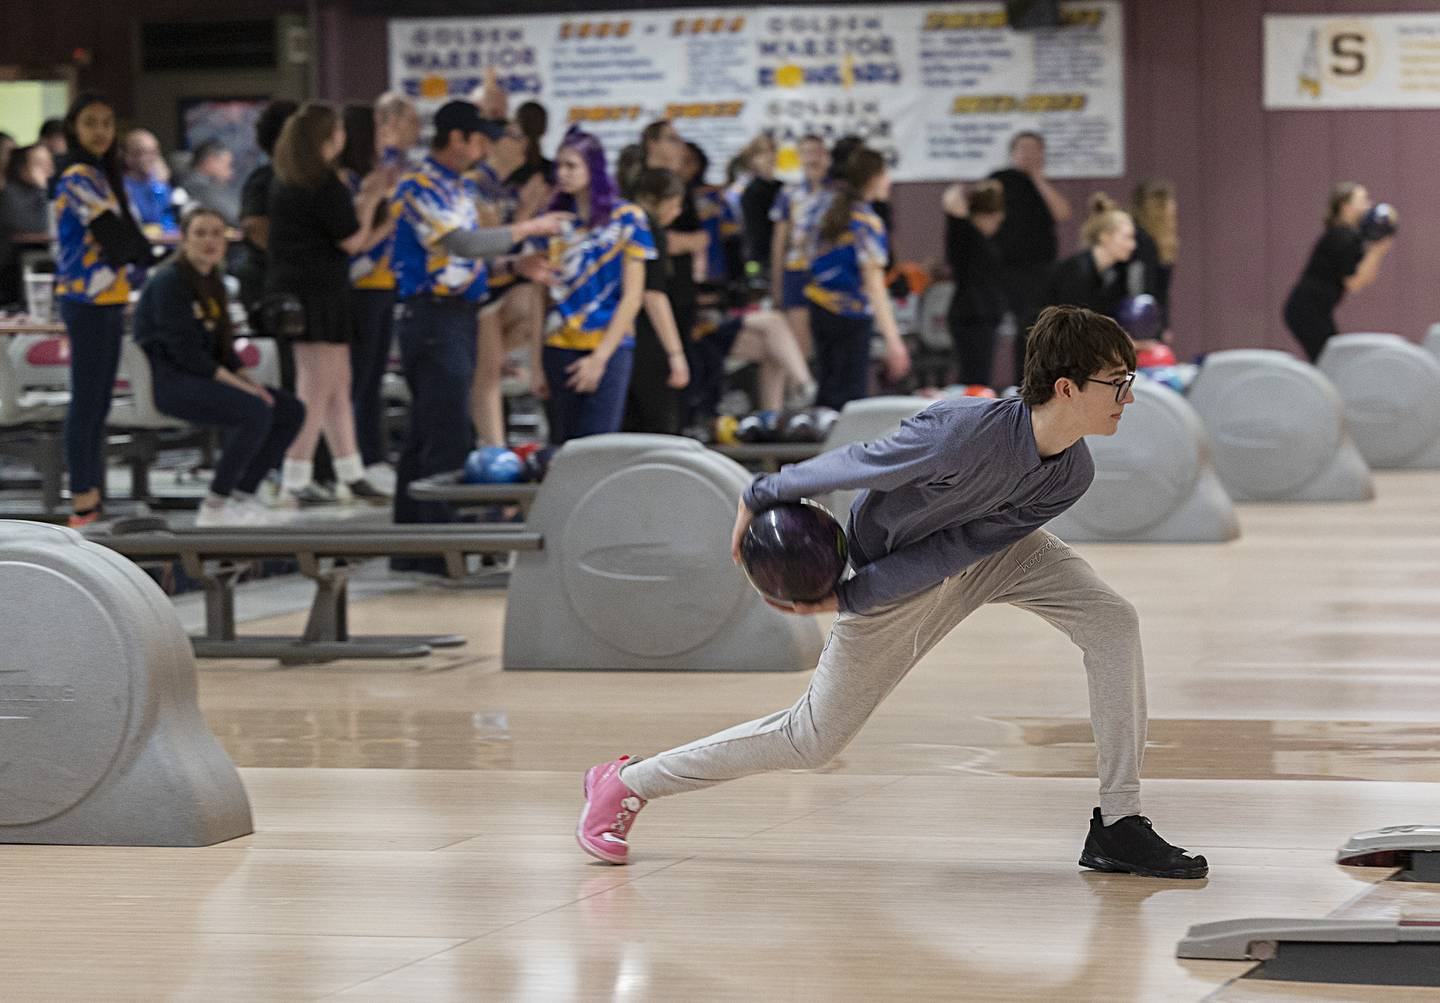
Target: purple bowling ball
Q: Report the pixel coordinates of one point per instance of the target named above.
(1140, 317)
(794, 552)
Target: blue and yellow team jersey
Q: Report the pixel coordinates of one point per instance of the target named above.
(721, 222)
(370, 269)
(835, 266)
(429, 203)
(82, 195)
(591, 269)
(492, 192)
(801, 205)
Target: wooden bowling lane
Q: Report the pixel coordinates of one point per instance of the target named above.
(415, 820)
(437, 885)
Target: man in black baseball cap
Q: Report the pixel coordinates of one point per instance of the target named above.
(441, 276)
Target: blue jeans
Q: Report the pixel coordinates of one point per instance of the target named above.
(374, 314)
(95, 334)
(842, 357)
(437, 351)
(256, 435)
(572, 415)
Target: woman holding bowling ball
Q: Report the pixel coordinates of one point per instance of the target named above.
(1341, 262)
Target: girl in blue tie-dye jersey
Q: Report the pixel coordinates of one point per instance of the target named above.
(847, 294)
(584, 367)
(98, 241)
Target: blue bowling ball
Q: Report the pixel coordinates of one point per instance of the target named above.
(492, 465)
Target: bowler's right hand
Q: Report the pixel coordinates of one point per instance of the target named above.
(742, 522)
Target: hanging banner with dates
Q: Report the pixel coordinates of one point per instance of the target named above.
(939, 88)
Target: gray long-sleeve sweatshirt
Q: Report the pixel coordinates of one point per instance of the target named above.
(960, 480)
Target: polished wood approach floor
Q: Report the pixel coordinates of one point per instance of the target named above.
(414, 819)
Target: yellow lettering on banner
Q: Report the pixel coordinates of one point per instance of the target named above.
(604, 113)
(982, 104)
(598, 29)
(701, 26)
(1053, 102)
(719, 109)
(1089, 17)
(942, 21)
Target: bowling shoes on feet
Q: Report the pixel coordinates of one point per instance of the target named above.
(1132, 846)
(610, 810)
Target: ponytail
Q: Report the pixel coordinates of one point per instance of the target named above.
(852, 179)
(1339, 195)
(1104, 217)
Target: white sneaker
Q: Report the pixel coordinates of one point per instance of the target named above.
(212, 515)
(230, 515)
(382, 476)
(258, 514)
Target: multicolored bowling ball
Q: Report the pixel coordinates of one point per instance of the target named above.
(725, 430)
(825, 418)
(1153, 355)
(799, 426)
(794, 552)
(537, 464)
(1140, 317)
(762, 426)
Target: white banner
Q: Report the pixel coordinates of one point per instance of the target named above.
(939, 88)
(1353, 61)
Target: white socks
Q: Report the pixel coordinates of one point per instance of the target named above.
(295, 474)
(348, 469)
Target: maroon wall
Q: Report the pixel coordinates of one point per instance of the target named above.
(1251, 183)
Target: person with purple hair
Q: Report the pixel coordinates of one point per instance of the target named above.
(583, 368)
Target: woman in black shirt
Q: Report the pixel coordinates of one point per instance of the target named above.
(1157, 241)
(1340, 263)
(315, 226)
(183, 324)
(24, 209)
(979, 303)
(1093, 278)
(661, 370)
(756, 201)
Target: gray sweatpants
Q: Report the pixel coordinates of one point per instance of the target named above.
(867, 656)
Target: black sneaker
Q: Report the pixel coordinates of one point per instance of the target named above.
(1132, 846)
(363, 490)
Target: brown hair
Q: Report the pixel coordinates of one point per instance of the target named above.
(1148, 206)
(1339, 195)
(986, 196)
(1104, 217)
(297, 152)
(1071, 342)
(208, 291)
(651, 133)
(650, 186)
(854, 176)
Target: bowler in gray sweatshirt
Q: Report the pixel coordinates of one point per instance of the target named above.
(949, 518)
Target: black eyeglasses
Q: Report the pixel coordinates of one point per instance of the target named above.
(1122, 385)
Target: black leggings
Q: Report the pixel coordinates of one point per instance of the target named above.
(1310, 322)
(651, 405)
(974, 342)
(842, 356)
